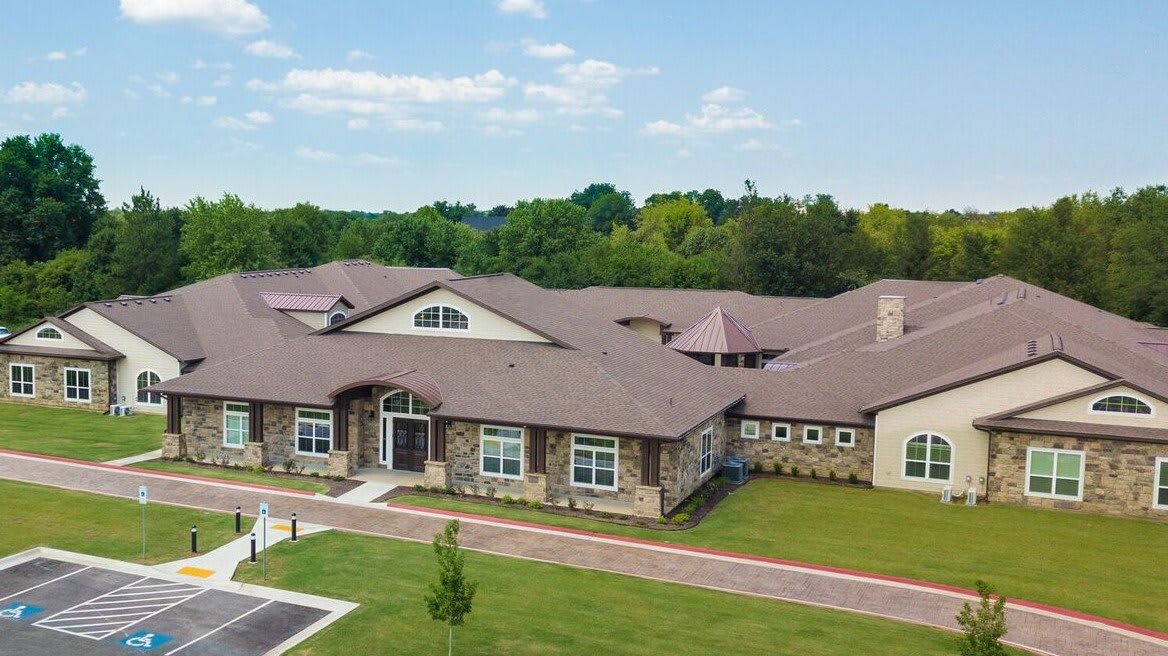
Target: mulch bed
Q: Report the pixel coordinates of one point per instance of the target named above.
(335, 488)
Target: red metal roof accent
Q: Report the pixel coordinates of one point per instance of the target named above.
(717, 332)
(302, 302)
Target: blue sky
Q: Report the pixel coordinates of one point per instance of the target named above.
(391, 105)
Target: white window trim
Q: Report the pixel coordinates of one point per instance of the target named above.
(414, 315)
(615, 450)
(88, 387)
(1158, 483)
(816, 428)
(482, 452)
(1054, 474)
(14, 365)
(328, 320)
(781, 439)
(702, 451)
(757, 429)
(296, 433)
(386, 456)
(37, 334)
(1106, 413)
(847, 445)
(146, 403)
(928, 459)
(246, 423)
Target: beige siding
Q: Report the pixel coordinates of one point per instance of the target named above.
(140, 355)
(317, 320)
(951, 414)
(68, 341)
(648, 328)
(1079, 409)
(484, 324)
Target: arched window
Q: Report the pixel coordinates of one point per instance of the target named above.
(337, 317)
(403, 403)
(146, 379)
(928, 457)
(1121, 404)
(441, 316)
(48, 333)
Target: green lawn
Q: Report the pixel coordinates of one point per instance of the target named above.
(224, 473)
(525, 607)
(77, 433)
(1090, 563)
(35, 515)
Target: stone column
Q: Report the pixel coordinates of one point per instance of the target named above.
(535, 487)
(437, 473)
(342, 463)
(647, 502)
(255, 454)
(174, 445)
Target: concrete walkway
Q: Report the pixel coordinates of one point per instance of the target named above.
(1033, 626)
(133, 460)
(219, 564)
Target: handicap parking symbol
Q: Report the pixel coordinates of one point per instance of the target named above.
(18, 612)
(143, 641)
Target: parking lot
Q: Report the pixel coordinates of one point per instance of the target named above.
(51, 606)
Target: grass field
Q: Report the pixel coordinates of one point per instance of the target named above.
(38, 516)
(1099, 565)
(241, 475)
(77, 433)
(525, 607)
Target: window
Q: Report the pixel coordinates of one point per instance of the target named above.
(314, 432)
(502, 452)
(1054, 473)
(21, 380)
(235, 421)
(1121, 404)
(749, 430)
(845, 437)
(48, 333)
(404, 403)
(77, 385)
(146, 379)
(781, 432)
(928, 457)
(813, 434)
(441, 316)
(706, 461)
(593, 462)
(337, 317)
(1160, 492)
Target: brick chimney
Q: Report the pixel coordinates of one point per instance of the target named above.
(889, 318)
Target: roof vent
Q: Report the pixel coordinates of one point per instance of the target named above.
(1021, 292)
(1032, 348)
(108, 304)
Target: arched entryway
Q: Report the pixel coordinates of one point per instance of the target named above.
(405, 431)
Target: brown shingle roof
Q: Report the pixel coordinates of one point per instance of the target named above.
(1074, 429)
(101, 350)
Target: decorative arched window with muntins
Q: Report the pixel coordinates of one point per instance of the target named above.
(146, 379)
(442, 317)
(48, 333)
(402, 402)
(928, 457)
(337, 317)
(1121, 404)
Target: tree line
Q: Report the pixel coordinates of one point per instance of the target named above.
(60, 244)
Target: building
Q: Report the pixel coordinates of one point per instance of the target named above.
(991, 388)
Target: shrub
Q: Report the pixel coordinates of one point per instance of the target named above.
(571, 503)
(289, 465)
(778, 467)
(606, 515)
(200, 456)
(256, 469)
(337, 477)
(508, 500)
(795, 471)
(985, 626)
(680, 518)
(756, 467)
(449, 489)
(437, 489)
(661, 519)
(853, 478)
(315, 474)
(491, 491)
(831, 475)
(588, 506)
(814, 474)
(474, 489)
(534, 505)
(623, 517)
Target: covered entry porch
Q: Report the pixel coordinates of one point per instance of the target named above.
(389, 420)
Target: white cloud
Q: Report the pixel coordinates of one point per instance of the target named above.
(368, 84)
(377, 160)
(130, 93)
(159, 91)
(229, 17)
(663, 127)
(684, 154)
(572, 101)
(56, 55)
(313, 104)
(500, 131)
(499, 115)
(416, 125)
(356, 55)
(169, 77)
(314, 155)
(232, 123)
(80, 52)
(259, 85)
(222, 81)
(60, 112)
(222, 66)
(790, 123)
(533, 48)
(44, 93)
(357, 124)
(724, 95)
(269, 49)
(718, 118)
(753, 144)
(532, 8)
(576, 127)
(258, 117)
(597, 73)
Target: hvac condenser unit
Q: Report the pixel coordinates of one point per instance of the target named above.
(947, 494)
(971, 497)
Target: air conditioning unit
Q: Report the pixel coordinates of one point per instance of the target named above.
(127, 410)
(971, 496)
(116, 410)
(947, 494)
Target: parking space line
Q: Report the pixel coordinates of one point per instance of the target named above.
(65, 576)
(154, 601)
(102, 610)
(221, 626)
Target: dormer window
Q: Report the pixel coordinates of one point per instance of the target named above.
(337, 317)
(1121, 404)
(441, 317)
(48, 333)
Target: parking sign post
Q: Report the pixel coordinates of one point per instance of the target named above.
(142, 503)
(264, 515)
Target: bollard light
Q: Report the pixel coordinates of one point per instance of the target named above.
(253, 557)
(238, 511)
(294, 527)
(194, 539)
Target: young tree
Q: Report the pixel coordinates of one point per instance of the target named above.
(985, 626)
(225, 236)
(450, 598)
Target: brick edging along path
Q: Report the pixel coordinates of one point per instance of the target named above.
(1033, 626)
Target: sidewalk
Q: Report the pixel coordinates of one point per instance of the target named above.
(219, 564)
(1033, 626)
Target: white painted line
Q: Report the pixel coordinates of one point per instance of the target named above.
(133, 601)
(106, 617)
(221, 626)
(129, 601)
(85, 626)
(102, 610)
(65, 576)
(162, 610)
(147, 596)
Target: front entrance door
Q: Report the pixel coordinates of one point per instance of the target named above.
(411, 443)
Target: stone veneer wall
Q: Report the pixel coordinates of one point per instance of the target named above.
(1118, 476)
(202, 423)
(49, 374)
(823, 457)
(680, 462)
